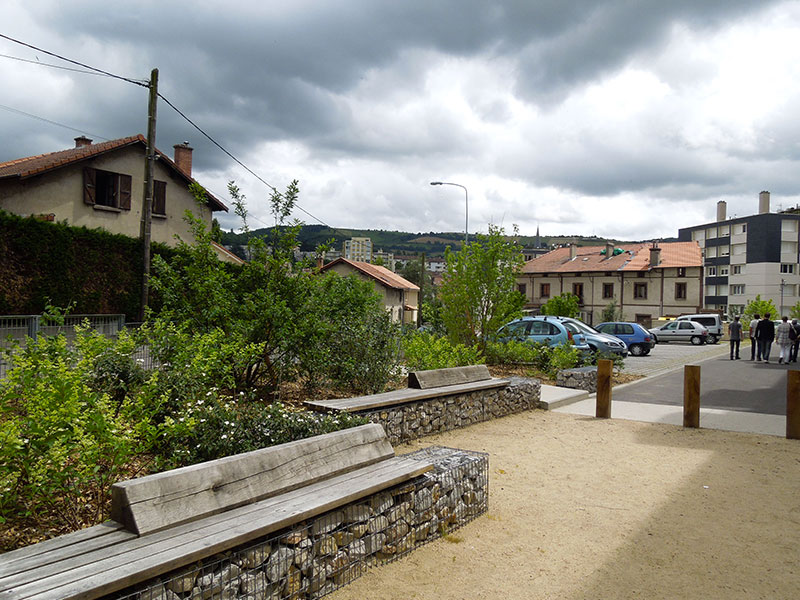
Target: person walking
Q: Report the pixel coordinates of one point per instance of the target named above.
(765, 334)
(782, 339)
(754, 349)
(735, 336)
(794, 335)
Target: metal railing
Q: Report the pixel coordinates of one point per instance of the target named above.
(17, 329)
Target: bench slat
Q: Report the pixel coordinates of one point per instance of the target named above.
(402, 396)
(166, 499)
(97, 536)
(432, 378)
(93, 575)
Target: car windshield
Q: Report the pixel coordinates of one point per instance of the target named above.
(581, 326)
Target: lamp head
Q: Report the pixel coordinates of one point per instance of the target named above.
(436, 183)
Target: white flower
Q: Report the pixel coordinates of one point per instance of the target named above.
(224, 436)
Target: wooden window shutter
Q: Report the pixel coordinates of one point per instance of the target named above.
(89, 186)
(159, 197)
(125, 192)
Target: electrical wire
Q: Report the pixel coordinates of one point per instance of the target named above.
(141, 83)
(41, 64)
(32, 116)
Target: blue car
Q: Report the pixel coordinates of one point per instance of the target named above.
(637, 338)
(541, 329)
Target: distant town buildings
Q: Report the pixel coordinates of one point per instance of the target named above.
(358, 249)
(645, 281)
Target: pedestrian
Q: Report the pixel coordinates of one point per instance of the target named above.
(735, 336)
(753, 343)
(765, 334)
(782, 339)
(794, 335)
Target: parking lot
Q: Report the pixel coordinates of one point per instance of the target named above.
(665, 357)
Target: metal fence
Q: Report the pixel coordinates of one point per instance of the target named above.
(17, 329)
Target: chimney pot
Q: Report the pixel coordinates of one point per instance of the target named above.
(183, 157)
(763, 203)
(722, 210)
(82, 141)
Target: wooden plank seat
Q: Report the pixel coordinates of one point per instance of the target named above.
(423, 385)
(205, 503)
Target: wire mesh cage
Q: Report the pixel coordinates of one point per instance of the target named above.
(318, 556)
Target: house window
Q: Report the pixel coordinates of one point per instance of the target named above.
(104, 188)
(787, 268)
(711, 272)
(640, 291)
(737, 269)
(159, 197)
(723, 270)
(577, 289)
(681, 271)
(737, 290)
(680, 291)
(523, 289)
(608, 290)
(544, 290)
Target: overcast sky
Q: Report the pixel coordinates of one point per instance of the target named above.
(625, 119)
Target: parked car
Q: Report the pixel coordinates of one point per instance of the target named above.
(600, 342)
(711, 321)
(543, 330)
(681, 331)
(637, 338)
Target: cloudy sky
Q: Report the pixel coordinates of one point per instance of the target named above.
(620, 118)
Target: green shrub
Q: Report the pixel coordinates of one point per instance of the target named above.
(423, 351)
(563, 356)
(63, 442)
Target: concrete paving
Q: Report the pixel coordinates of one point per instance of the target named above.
(735, 395)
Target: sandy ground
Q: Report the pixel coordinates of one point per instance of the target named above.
(582, 508)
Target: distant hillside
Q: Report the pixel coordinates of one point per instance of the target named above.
(400, 242)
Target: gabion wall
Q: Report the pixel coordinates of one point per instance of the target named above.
(581, 378)
(413, 420)
(319, 556)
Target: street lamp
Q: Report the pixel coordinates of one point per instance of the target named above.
(466, 206)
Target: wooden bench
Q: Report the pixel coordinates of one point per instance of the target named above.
(422, 385)
(171, 519)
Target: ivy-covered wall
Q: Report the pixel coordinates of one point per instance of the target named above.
(43, 262)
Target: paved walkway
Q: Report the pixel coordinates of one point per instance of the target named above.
(659, 397)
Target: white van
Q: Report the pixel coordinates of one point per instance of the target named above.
(711, 321)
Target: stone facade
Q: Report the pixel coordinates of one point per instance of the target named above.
(581, 378)
(313, 558)
(413, 420)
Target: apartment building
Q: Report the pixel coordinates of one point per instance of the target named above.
(645, 281)
(358, 249)
(748, 256)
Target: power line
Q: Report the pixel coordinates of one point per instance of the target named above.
(41, 64)
(32, 116)
(75, 62)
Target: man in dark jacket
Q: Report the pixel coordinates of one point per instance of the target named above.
(765, 334)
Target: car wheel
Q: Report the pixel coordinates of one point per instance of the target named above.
(697, 340)
(714, 339)
(636, 350)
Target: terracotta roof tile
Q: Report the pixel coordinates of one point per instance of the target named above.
(635, 257)
(31, 166)
(382, 274)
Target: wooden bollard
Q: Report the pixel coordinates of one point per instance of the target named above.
(603, 406)
(691, 396)
(793, 405)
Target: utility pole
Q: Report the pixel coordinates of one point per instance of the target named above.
(783, 283)
(147, 201)
(421, 290)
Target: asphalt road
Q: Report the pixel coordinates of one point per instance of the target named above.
(724, 384)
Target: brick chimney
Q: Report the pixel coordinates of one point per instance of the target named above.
(183, 157)
(763, 203)
(655, 255)
(722, 210)
(82, 141)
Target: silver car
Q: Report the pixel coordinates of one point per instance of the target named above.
(681, 331)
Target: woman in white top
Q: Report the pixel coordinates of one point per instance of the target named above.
(782, 339)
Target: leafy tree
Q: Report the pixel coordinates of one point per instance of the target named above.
(479, 292)
(760, 307)
(611, 312)
(216, 231)
(565, 305)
